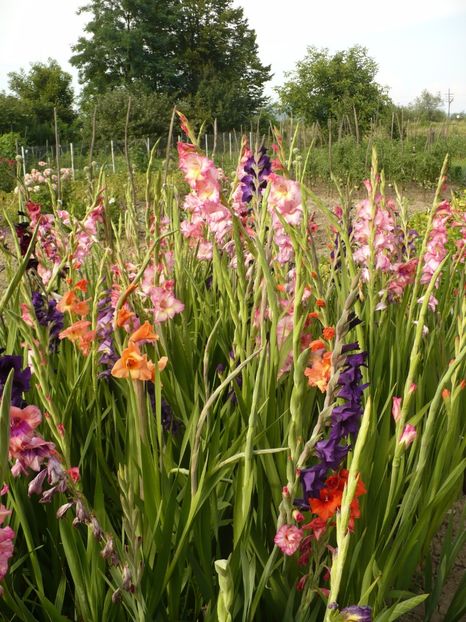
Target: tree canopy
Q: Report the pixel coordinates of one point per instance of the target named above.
(200, 51)
(338, 86)
(35, 94)
(427, 107)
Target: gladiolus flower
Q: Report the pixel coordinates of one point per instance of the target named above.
(319, 374)
(145, 333)
(328, 333)
(396, 408)
(74, 474)
(356, 614)
(446, 394)
(72, 304)
(288, 539)
(408, 436)
(320, 303)
(124, 315)
(133, 364)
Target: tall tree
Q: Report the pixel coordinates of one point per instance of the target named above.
(324, 87)
(128, 42)
(45, 87)
(201, 51)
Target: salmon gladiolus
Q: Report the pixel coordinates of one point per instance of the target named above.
(144, 333)
(133, 364)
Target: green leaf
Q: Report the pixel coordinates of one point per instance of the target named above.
(5, 426)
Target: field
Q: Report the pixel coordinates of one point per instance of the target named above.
(233, 387)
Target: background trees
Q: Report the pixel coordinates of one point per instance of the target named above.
(199, 51)
(427, 107)
(35, 94)
(338, 87)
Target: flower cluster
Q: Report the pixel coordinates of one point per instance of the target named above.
(203, 203)
(48, 316)
(135, 365)
(345, 420)
(378, 221)
(104, 333)
(436, 245)
(257, 169)
(39, 177)
(284, 202)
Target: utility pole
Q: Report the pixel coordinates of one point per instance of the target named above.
(450, 98)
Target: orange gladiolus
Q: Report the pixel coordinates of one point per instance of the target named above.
(319, 374)
(79, 332)
(328, 333)
(72, 304)
(82, 285)
(75, 331)
(331, 496)
(134, 365)
(144, 333)
(124, 315)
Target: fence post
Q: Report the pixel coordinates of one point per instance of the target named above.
(206, 145)
(229, 144)
(113, 156)
(72, 160)
(214, 148)
(23, 155)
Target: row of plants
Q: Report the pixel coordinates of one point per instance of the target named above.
(214, 408)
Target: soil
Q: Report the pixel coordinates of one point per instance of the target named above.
(456, 574)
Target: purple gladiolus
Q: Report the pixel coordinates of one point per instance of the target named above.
(21, 378)
(48, 316)
(345, 421)
(104, 330)
(257, 168)
(357, 614)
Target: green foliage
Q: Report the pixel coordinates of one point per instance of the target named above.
(15, 115)
(8, 144)
(427, 107)
(201, 53)
(43, 88)
(149, 115)
(336, 88)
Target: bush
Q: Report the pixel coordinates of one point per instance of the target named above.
(8, 144)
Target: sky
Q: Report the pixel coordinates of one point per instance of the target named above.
(417, 44)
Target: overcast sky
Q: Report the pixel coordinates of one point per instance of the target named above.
(417, 43)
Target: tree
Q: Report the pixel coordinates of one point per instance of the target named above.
(200, 51)
(427, 107)
(341, 88)
(129, 42)
(15, 115)
(43, 88)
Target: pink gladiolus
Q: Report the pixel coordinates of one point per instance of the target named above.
(288, 539)
(396, 408)
(436, 246)
(6, 549)
(408, 436)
